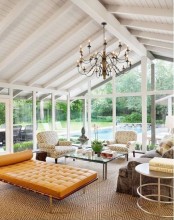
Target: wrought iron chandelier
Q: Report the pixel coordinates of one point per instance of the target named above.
(103, 63)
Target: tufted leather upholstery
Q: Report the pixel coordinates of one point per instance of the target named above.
(124, 142)
(48, 141)
(50, 179)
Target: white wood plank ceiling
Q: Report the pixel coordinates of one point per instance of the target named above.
(40, 40)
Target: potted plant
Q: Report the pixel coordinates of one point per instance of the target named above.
(97, 146)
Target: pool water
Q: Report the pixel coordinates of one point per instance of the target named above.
(107, 133)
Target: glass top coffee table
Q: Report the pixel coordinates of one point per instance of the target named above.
(94, 158)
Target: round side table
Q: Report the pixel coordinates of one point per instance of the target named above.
(163, 208)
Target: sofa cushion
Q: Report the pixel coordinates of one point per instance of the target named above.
(164, 146)
(169, 153)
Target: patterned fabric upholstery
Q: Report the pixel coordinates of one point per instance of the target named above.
(124, 141)
(48, 141)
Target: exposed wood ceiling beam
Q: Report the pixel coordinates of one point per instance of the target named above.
(166, 52)
(63, 40)
(66, 82)
(32, 88)
(157, 43)
(45, 54)
(37, 34)
(99, 13)
(142, 11)
(147, 25)
(14, 13)
(153, 36)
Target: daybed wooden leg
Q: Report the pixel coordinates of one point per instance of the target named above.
(55, 160)
(127, 156)
(84, 190)
(51, 204)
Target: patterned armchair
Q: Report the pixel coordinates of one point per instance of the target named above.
(124, 142)
(48, 141)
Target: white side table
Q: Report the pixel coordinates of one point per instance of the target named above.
(163, 208)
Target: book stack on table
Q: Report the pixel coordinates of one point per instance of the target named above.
(162, 164)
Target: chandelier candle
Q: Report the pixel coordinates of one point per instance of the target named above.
(103, 63)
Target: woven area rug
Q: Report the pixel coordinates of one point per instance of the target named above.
(100, 201)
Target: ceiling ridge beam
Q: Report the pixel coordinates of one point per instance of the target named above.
(152, 36)
(34, 36)
(146, 25)
(43, 56)
(131, 10)
(13, 14)
(99, 13)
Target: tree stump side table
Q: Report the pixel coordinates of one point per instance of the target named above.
(41, 155)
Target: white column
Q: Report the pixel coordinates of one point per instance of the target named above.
(89, 112)
(34, 122)
(53, 111)
(68, 117)
(144, 101)
(114, 104)
(169, 106)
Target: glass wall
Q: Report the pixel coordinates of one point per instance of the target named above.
(130, 81)
(22, 121)
(129, 116)
(43, 112)
(2, 126)
(61, 119)
(101, 119)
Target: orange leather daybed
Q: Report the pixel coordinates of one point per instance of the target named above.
(54, 180)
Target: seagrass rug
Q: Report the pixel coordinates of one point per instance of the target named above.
(100, 201)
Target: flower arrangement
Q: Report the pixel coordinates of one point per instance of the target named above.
(97, 146)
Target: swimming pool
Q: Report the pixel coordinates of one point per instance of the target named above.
(107, 133)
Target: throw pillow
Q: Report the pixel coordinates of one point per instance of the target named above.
(164, 146)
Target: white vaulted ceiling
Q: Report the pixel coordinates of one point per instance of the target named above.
(40, 40)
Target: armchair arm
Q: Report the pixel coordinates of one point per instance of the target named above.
(64, 143)
(46, 147)
(111, 142)
(131, 145)
(133, 163)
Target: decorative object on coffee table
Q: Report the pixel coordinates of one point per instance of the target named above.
(83, 139)
(96, 145)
